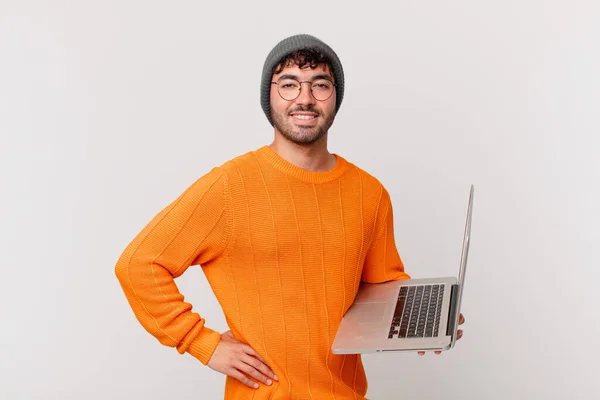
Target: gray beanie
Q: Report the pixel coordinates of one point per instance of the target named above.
(285, 48)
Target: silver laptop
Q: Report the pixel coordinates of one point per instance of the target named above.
(408, 315)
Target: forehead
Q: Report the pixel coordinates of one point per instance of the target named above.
(306, 72)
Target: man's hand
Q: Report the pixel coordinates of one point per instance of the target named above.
(461, 320)
(240, 361)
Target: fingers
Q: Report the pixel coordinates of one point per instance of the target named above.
(459, 334)
(422, 353)
(240, 361)
(234, 373)
(251, 352)
(256, 369)
(261, 365)
(253, 373)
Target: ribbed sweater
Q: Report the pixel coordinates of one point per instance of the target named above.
(284, 250)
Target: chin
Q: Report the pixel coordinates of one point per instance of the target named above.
(303, 139)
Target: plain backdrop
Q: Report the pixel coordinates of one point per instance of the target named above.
(110, 109)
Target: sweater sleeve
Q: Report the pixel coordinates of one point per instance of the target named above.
(383, 262)
(192, 230)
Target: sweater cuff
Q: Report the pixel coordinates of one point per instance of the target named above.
(203, 346)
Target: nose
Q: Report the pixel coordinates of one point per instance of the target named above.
(305, 97)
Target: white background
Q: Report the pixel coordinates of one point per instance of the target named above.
(110, 109)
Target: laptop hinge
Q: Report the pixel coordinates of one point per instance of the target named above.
(452, 311)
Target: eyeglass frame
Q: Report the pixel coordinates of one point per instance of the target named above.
(301, 82)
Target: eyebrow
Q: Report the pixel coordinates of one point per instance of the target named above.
(321, 76)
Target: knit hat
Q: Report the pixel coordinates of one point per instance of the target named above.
(285, 48)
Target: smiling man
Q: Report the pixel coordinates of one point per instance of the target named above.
(284, 235)
(297, 116)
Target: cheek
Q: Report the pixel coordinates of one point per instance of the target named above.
(277, 103)
(330, 106)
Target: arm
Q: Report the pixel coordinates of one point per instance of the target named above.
(383, 262)
(192, 230)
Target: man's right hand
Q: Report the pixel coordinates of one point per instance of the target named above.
(240, 361)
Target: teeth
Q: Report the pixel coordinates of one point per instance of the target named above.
(304, 116)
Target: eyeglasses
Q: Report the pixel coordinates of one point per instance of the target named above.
(289, 88)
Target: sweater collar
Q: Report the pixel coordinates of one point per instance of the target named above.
(274, 159)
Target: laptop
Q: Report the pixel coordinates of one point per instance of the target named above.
(408, 315)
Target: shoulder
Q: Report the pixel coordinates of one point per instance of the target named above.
(221, 172)
(242, 161)
(369, 183)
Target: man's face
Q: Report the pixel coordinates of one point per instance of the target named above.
(303, 120)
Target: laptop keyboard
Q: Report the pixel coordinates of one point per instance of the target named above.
(417, 312)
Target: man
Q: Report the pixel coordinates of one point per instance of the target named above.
(284, 235)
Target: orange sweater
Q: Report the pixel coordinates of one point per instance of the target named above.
(284, 250)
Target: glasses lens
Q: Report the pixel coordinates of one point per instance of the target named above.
(288, 89)
(322, 89)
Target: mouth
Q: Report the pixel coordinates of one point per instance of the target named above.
(304, 117)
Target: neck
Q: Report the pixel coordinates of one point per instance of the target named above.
(314, 157)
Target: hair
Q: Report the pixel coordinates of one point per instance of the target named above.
(311, 56)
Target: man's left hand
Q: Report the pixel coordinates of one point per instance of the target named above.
(459, 333)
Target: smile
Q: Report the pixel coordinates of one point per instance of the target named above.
(305, 117)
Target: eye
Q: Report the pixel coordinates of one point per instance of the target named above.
(322, 84)
(288, 84)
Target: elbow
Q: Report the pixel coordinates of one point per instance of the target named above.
(121, 270)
